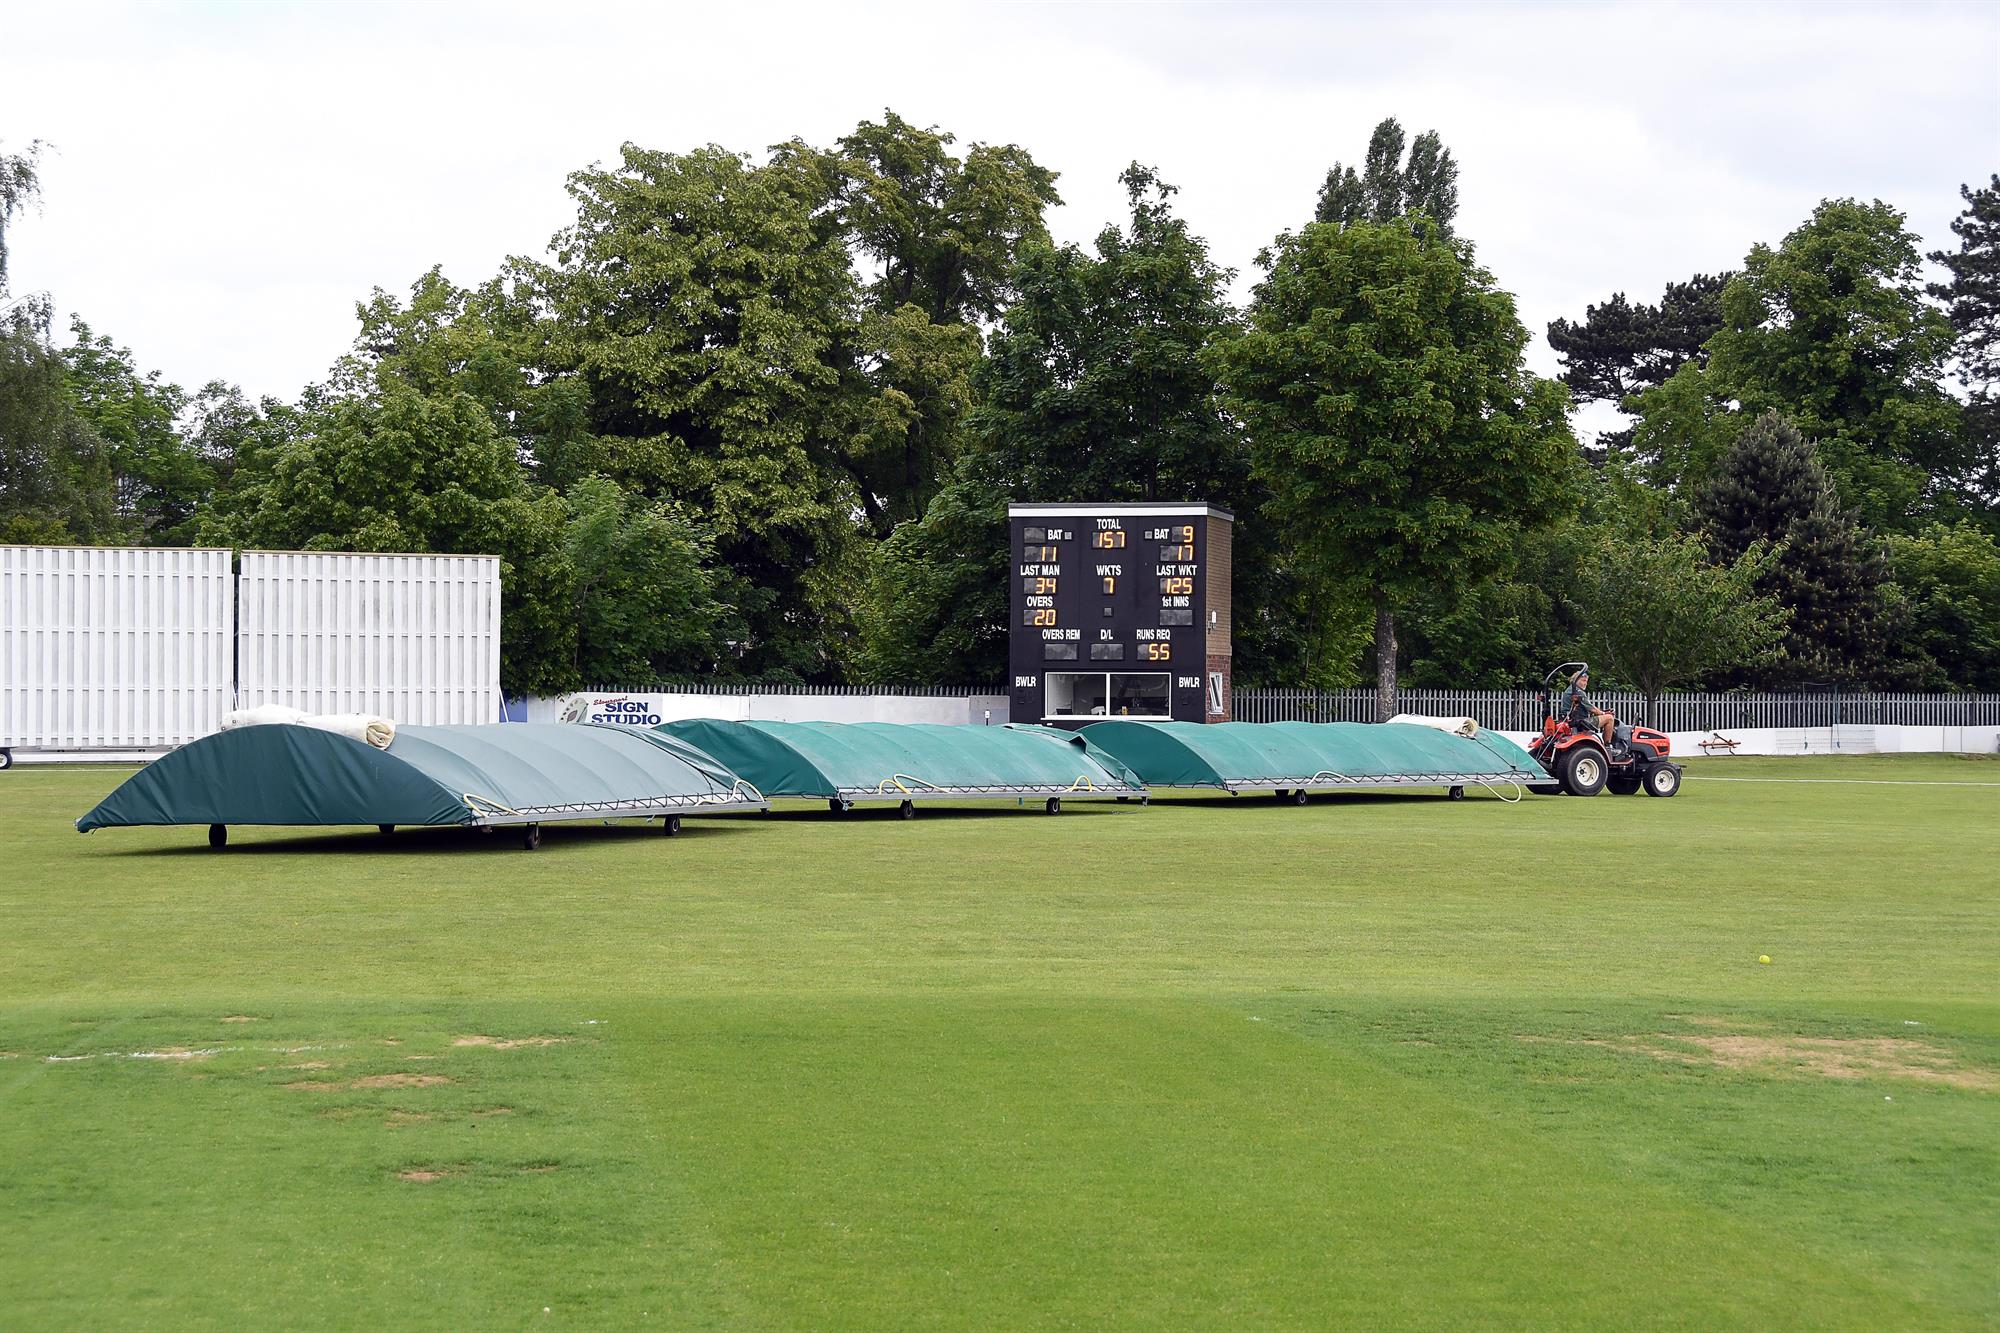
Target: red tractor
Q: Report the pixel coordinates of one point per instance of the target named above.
(1585, 757)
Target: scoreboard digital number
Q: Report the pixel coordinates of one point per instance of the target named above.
(1119, 611)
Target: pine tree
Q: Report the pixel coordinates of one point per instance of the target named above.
(1829, 573)
(1767, 482)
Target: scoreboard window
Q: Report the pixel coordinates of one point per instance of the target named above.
(1176, 615)
(1038, 617)
(1107, 652)
(1119, 694)
(1059, 652)
(1034, 536)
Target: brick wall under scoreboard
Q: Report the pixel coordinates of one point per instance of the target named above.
(1221, 542)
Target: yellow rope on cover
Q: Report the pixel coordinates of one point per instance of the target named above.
(473, 803)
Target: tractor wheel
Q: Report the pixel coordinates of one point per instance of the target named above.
(1456, 793)
(1054, 806)
(1663, 780)
(1583, 771)
(672, 825)
(1298, 796)
(908, 810)
(1623, 786)
(6, 759)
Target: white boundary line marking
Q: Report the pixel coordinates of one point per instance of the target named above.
(1852, 782)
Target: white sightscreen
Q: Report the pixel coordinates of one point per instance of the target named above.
(112, 648)
(412, 637)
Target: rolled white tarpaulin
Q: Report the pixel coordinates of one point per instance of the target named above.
(1457, 726)
(364, 727)
(265, 715)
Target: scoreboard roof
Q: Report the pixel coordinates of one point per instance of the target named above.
(1308, 755)
(501, 773)
(1136, 510)
(907, 761)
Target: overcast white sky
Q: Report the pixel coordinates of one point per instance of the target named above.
(230, 179)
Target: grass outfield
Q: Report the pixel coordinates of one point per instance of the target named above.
(1382, 1061)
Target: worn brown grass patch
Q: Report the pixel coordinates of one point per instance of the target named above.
(239, 1018)
(508, 1043)
(372, 1081)
(1844, 1057)
(421, 1175)
(399, 1081)
(311, 1064)
(397, 1119)
(1821, 1057)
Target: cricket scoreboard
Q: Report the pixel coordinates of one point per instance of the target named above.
(1118, 610)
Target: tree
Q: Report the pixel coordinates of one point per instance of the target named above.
(1096, 388)
(1770, 490)
(392, 469)
(1656, 612)
(55, 480)
(641, 596)
(20, 186)
(1832, 330)
(1404, 443)
(1950, 574)
(161, 479)
(1621, 348)
(700, 299)
(1388, 186)
(936, 606)
(55, 473)
(944, 231)
(1972, 303)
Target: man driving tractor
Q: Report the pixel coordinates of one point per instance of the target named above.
(1581, 713)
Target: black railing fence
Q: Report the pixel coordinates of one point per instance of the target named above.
(1519, 710)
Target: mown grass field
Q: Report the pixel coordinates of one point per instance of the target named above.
(1383, 1061)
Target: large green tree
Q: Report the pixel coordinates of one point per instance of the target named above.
(1403, 440)
(1831, 329)
(1096, 388)
(701, 298)
(938, 234)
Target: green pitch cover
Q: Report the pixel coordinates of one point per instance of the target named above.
(1300, 754)
(906, 760)
(496, 773)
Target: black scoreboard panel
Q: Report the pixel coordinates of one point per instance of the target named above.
(1109, 611)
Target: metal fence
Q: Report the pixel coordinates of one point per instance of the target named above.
(1518, 710)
